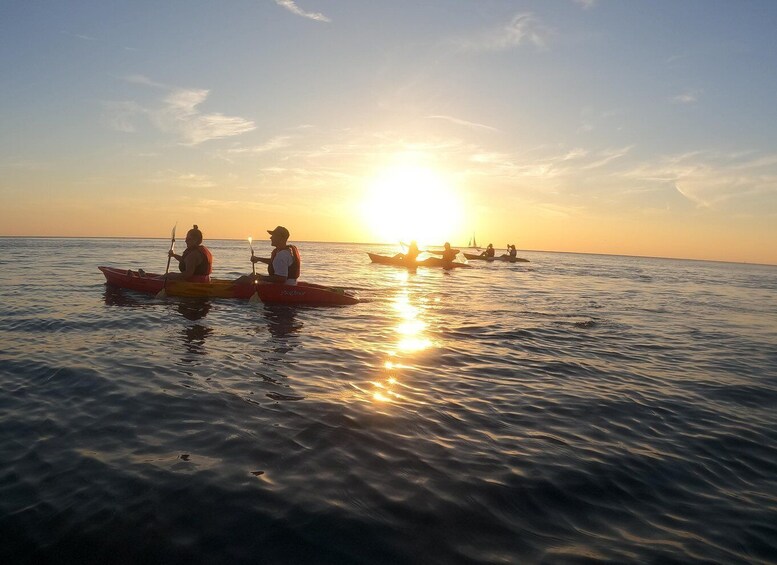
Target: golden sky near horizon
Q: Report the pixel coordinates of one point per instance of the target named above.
(568, 126)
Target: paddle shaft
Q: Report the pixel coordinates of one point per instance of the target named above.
(167, 269)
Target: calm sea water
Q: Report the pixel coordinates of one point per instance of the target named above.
(573, 409)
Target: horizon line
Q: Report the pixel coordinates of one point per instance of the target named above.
(395, 243)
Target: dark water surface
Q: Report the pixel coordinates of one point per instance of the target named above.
(573, 409)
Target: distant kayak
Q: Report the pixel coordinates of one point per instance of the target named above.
(301, 293)
(476, 257)
(429, 262)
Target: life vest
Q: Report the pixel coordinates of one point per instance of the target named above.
(294, 268)
(490, 251)
(205, 268)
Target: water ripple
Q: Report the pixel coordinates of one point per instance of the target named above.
(583, 409)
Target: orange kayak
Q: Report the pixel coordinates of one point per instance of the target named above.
(301, 293)
(429, 262)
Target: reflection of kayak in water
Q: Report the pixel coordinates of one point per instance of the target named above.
(429, 262)
(301, 293)
(476, 257)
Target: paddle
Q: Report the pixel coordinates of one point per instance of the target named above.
(403, 244)
(162, 293)
(255, 296)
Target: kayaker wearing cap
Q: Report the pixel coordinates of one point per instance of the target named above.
(196, 262)
(284, 262)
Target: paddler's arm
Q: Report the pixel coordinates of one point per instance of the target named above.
(191, 266)
(265, 260)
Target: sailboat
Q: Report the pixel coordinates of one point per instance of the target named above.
(473, 242)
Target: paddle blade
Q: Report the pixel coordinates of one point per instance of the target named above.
(254, 298)
(161, 294)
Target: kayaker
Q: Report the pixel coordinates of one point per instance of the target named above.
(412, 253)
(196, 262)
(448, 254)
(489, 252)
(512, 252)
(284, 263)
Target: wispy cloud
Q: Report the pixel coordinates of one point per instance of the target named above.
(461, 122)
(687, 97)
(178, 113)
(607, 156)
(522, 29)
(80, 36)
(576, 153)
(181, 115)
(145, 81)
(711, 180)
(292, 7)
(277, 142)
(189, 180)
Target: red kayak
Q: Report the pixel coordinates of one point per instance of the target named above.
(429, 262)
(301, 293)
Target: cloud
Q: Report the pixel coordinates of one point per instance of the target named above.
(178, 113)
(189, 180)
(145, 81)
(181, 115)
(576, 153)
(585, 4)
(711, 180)
(687, 97)
(522, 29)
(292, 7)
(607, 156)
(277, 142)
(80, 36)
(460, 122)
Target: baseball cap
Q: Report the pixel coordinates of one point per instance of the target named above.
(281, 231)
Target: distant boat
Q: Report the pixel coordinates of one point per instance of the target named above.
(473, 242)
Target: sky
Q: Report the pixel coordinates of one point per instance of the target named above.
(620, 127)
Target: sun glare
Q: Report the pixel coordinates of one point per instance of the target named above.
(410, 202)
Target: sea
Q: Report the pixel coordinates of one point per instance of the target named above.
(573, 409)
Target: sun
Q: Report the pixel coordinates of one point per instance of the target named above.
(409, 202)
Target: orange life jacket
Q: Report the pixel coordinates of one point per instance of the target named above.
(294, 268)
(205, 268)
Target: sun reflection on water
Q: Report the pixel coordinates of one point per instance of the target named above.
(411, 340)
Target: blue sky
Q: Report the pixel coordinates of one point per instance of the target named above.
(604, 126)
